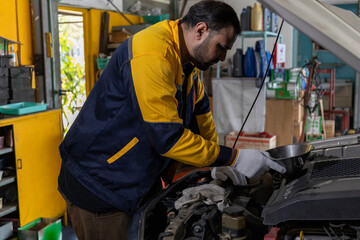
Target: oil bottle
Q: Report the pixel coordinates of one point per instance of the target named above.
(12, 53)
(257, 18)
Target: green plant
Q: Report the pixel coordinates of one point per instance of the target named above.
(72, 72)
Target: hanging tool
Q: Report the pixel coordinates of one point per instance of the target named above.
(314, 64)
(322, 117)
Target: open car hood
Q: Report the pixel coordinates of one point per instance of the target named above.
(335, 29)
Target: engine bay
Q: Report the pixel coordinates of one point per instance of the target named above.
(322, 203)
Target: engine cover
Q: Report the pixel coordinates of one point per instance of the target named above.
(327, 190)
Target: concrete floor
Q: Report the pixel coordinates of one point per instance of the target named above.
(68, 233)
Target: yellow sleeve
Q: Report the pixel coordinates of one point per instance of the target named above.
(155, 91)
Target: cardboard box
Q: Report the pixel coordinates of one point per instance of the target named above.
(250, 141)
(330, 128)
(343, 97)
(282, 90)
(275, 85)
(278, 74)
(118, 37)
(286, 94)
(279, 120)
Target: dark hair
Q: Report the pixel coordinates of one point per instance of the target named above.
(217, 15)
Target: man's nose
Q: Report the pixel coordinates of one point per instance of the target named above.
(222, 56)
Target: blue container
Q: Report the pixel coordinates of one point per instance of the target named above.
(22, 108)
(155, 19)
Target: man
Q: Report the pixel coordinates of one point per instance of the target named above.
(147, 110)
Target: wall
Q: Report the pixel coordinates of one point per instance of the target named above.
(305, 51)
(94, 4)
(16, 26)
(286, 32)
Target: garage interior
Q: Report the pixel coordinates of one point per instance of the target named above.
(290, 86)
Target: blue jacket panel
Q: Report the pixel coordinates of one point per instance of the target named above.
(114, 148)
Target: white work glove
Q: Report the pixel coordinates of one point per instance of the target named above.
(253, 163)
(225, 172)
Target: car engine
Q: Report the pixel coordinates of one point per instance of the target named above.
(322, 203)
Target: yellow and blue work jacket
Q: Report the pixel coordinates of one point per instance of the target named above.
(145, 109)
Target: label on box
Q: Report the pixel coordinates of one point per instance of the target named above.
(250, 142)
(313, 125)
(292, 86)
(284, 94)
(270, 93)
(278, 74)
(280, 53)
(312, 137)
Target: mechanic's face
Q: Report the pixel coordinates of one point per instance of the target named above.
(213, 48)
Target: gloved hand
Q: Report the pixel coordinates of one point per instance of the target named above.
(225, 172)
(253, 163)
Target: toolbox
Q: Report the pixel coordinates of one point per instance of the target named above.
(5, 61)
(20, 83)
(4, 71)
(21, 72)
(4, 82)
(4, 93)
(22, 93)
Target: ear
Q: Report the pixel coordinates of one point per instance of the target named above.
(201, 30)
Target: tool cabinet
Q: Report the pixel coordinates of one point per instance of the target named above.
(31, 143)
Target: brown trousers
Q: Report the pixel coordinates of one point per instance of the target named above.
(94, 226)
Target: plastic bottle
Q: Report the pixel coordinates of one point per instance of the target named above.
(12, 53)
(248, 18)
(238, 63)
(267, 18)
(274, 23)
(243, 20)
(257, 18)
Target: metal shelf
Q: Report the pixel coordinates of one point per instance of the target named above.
(5, 150)
(7, 180)
(252, 34)
(258, 34)
(8, 208)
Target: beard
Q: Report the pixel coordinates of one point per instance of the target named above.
(200, 55)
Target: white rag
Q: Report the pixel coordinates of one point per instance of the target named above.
(208, 193)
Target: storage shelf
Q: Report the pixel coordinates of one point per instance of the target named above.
(7, 180)
(5, 150)
(254, 34)
(258, 34)
(8, 208)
